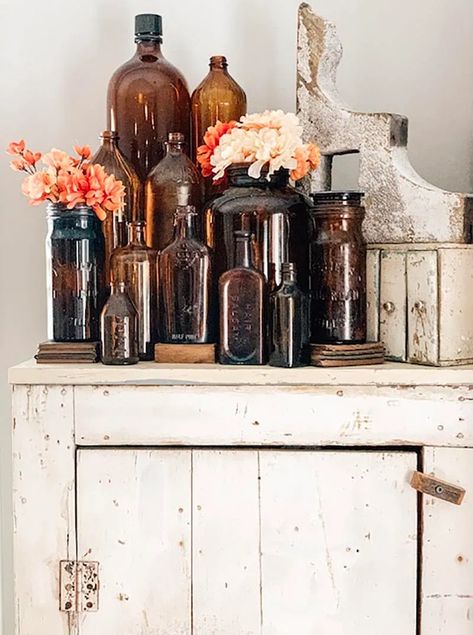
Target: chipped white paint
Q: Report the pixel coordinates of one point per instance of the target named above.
(447, 581)
(400, 205)
(288, 416)
(422, 307)
(392, 304)
(372, 294)
(43, 505)
(330, 561)
(134, 517)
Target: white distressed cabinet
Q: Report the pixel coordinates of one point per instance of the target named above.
(176, 500)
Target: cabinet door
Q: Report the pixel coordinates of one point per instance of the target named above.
(231, 542)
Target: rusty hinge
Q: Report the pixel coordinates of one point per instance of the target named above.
(435, 487)
(78, 586)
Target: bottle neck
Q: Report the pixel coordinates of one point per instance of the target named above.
(109, 144)
(136, 234)
(185, 225)
(289, 276)
(243, 253)
(218, 66)
(117, 288)
(148, 48)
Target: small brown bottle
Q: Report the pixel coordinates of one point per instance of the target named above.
(185, 276)
(242, 292)
(147, 98)
(217, 98)
(114, 161)
(119, 325)
(174, 182)
(135, 265)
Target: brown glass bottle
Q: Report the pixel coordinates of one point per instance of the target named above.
(217, 98)
(289, 317)
(135, 265)
(147, 99)
(185, 279)
(114, 226)
(242, 294)
(174, 182)
(119, 325)
(338, 268)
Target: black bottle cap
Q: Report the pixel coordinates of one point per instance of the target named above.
(335, 196)
(148, 26)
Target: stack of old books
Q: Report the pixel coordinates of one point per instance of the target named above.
(68, 353)
(347, 354)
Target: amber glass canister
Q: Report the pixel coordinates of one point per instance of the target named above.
(114, 226)
(338, 268)
(147, 98)
(135, 265)
(217, 98)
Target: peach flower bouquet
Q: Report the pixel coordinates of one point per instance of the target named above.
(269, 140)
(66, 180)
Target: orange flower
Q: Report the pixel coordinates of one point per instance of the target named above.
(39, 187)
(308, 159)
(16, 147)
(211, 141)
(19, 165)
(58, 159)
(31, 157)
(83, 151)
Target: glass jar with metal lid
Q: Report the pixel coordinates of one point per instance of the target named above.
(338, 268)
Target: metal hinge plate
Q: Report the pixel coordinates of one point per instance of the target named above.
(435, 487)
(78, 586)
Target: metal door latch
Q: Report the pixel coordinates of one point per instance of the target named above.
(78, 586)
(435, 487)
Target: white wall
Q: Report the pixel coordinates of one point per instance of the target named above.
(411, 57)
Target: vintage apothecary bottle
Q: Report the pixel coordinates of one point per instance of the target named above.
(274, 212)
(338, 268)
(217, 98)
(119, 327)
(75, 257)
(114, 226)
(147, 99)
(289, 322)
(174, 182)
(185, 281)
(136, 265)
(242, 306)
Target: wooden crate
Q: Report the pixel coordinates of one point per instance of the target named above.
(420, 302)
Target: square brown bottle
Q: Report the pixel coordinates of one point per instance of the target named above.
(242, 296)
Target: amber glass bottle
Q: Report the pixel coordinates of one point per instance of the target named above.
(119, 322)
(174, 182)
(338, 268)
(242, 292)
(289, 316)
(114, 226)
(147, 99)
(185, 278)
(135, 265)
(217, 98)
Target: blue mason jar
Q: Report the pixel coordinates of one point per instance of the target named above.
(75, 258)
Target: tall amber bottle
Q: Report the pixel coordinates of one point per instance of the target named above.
(242, 295)
(135, 265)
(174, 182)
(147, 99)
(115, 225)
(217, 98)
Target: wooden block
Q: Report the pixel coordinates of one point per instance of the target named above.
(68, 353)
(332, 355)
(185, 353)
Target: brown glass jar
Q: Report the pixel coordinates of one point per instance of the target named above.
(119, 327)
(147, 99)
(217, 98)
(338, 268)
(277, 216)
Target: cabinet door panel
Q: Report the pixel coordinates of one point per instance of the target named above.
(339, 543)
(447, 570)
(134, 512)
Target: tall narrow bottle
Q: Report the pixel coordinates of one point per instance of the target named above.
(217, 98)
(185, 277)
(174, 182)
(147, 98)
(242, 293)
(289, 317)
(114, 226)
(135, 265)
(119, 327)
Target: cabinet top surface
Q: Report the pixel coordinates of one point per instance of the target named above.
(152, 374)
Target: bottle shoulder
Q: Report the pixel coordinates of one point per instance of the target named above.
(154, 70)
(182, 245)
(249, 275)
(174, 168)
